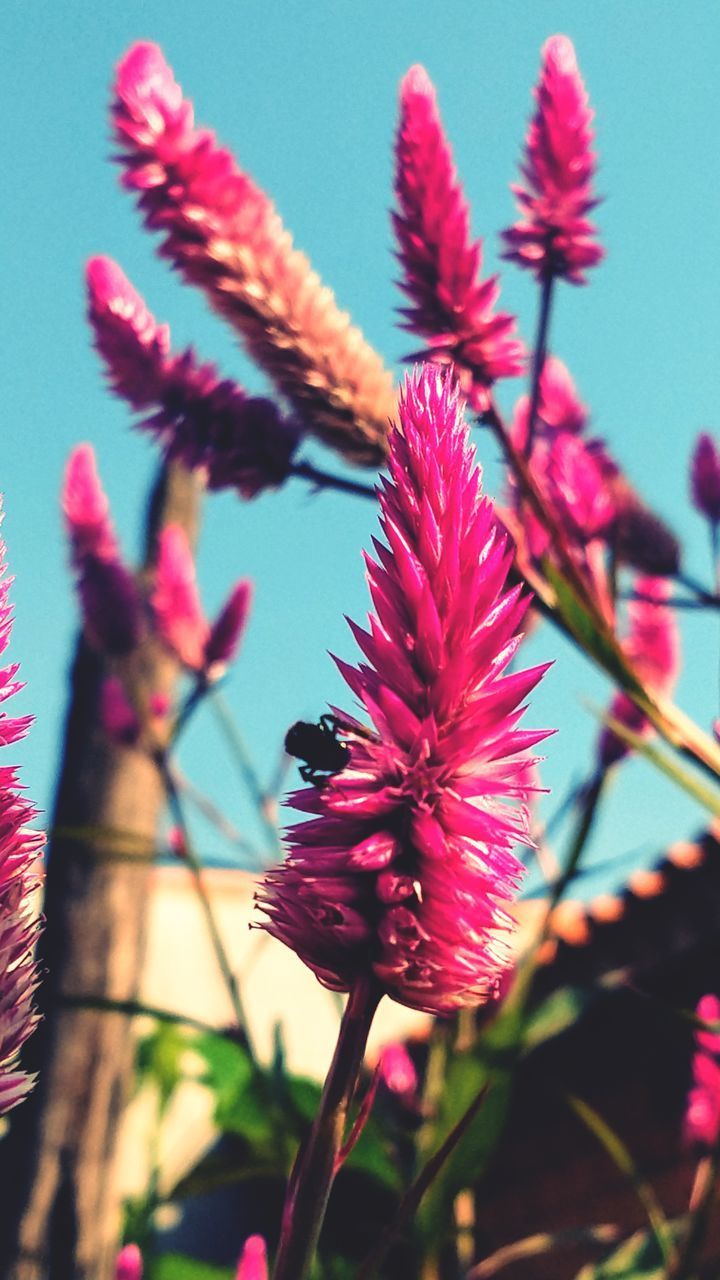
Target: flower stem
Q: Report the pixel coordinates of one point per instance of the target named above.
(327, 480)
(314, 1170)
(539, 355)
(246, 767)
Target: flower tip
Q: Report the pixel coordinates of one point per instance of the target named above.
(416, 81)
(253, 1260)
(129, 1263)
(83, 498)
(144, 71)
(559, 52)
(106, 281)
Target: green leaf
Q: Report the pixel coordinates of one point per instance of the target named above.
(638, 1258)
(159, 1058)
(556, 1013)
(229, 1067)
(178, 1266)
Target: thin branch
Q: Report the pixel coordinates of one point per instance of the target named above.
(327, 480)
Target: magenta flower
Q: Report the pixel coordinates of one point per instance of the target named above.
(111, 603)
(20, 849)
(702, 1115)
(652, 647)
(407, 865)
(240, 441)
(560, 408)
(253, 1260)
(224, 234)
(450, 305)
(129, 1263)
(553, 236)
(179, 615)
(398, 1073)
(705, 477)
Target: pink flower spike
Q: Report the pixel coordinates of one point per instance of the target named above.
(705, 478)
(129, 1263)
(559, 409)
(702, 1115)
(653, 648)
(553, 236)
(175, 601)
(406, 866)
(228, 629)
(20, 851)
(240, 441)
(224, 234)
(397, 1072)
(253, 1260)
(450, 305)
(111, 604)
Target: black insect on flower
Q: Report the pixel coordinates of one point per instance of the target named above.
(319, 746)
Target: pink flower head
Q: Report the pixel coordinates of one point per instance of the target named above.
(111, 604)
(554, 236)
(240, 441)
(20, 849)
(702, 1115)
(450, 305)
(129, 1263)
(652, 646)
(397, 1072)
(224, 235)
(253, 1260)
(705, 477)
(560, 408)
(228, 629)
(407, 864)
(179, 616)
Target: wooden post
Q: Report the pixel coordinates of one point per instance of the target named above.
(59, 1208)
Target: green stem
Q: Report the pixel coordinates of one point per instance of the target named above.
(196, 870)
(314, 1170)
(245, 765)
(539, 356)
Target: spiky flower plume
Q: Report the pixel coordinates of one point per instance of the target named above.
(705, 477)
(253, 1260)
(20, 849)
(199, 419)
(554, 236)
(112, 607)
(652, 646)
(129, 1263)
(225, 235)
(406, 865)
(450, 305)
(702, 1115)
(179, 616)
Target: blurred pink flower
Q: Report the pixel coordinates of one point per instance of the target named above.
(450, 305)
(407, 863)
(705, 477)
(554, 236)
(20, 849)
(111, 603)
(702, 1115)
(179, 616)
(240, 441)
(117, 716)
(397, 1071)
(129, 1263)
(652, 646)
(253, 1260)
(559, 407)
(224, 234)
(228, 629)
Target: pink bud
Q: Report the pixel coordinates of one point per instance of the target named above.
(228, 629)
(129, 1263)
(705, 477)
(176, 604)
(253, 1260)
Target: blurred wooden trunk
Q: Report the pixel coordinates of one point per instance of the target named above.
(60, 1210)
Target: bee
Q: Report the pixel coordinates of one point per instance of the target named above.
(319, 746)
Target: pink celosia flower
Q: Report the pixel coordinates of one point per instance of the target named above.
(111, 604)
(19, 852)
(554, 236)
(240, 441)
(129, 1263)
(397, 1071)
(228, 629)
(253, 1260)
(179, 616)
(225, 235)
(406, 865)
(652, 646)
(450, 305)
(559, 406)
(702, 1116)
(705, 477)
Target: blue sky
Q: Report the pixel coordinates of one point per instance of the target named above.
(306, 96)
